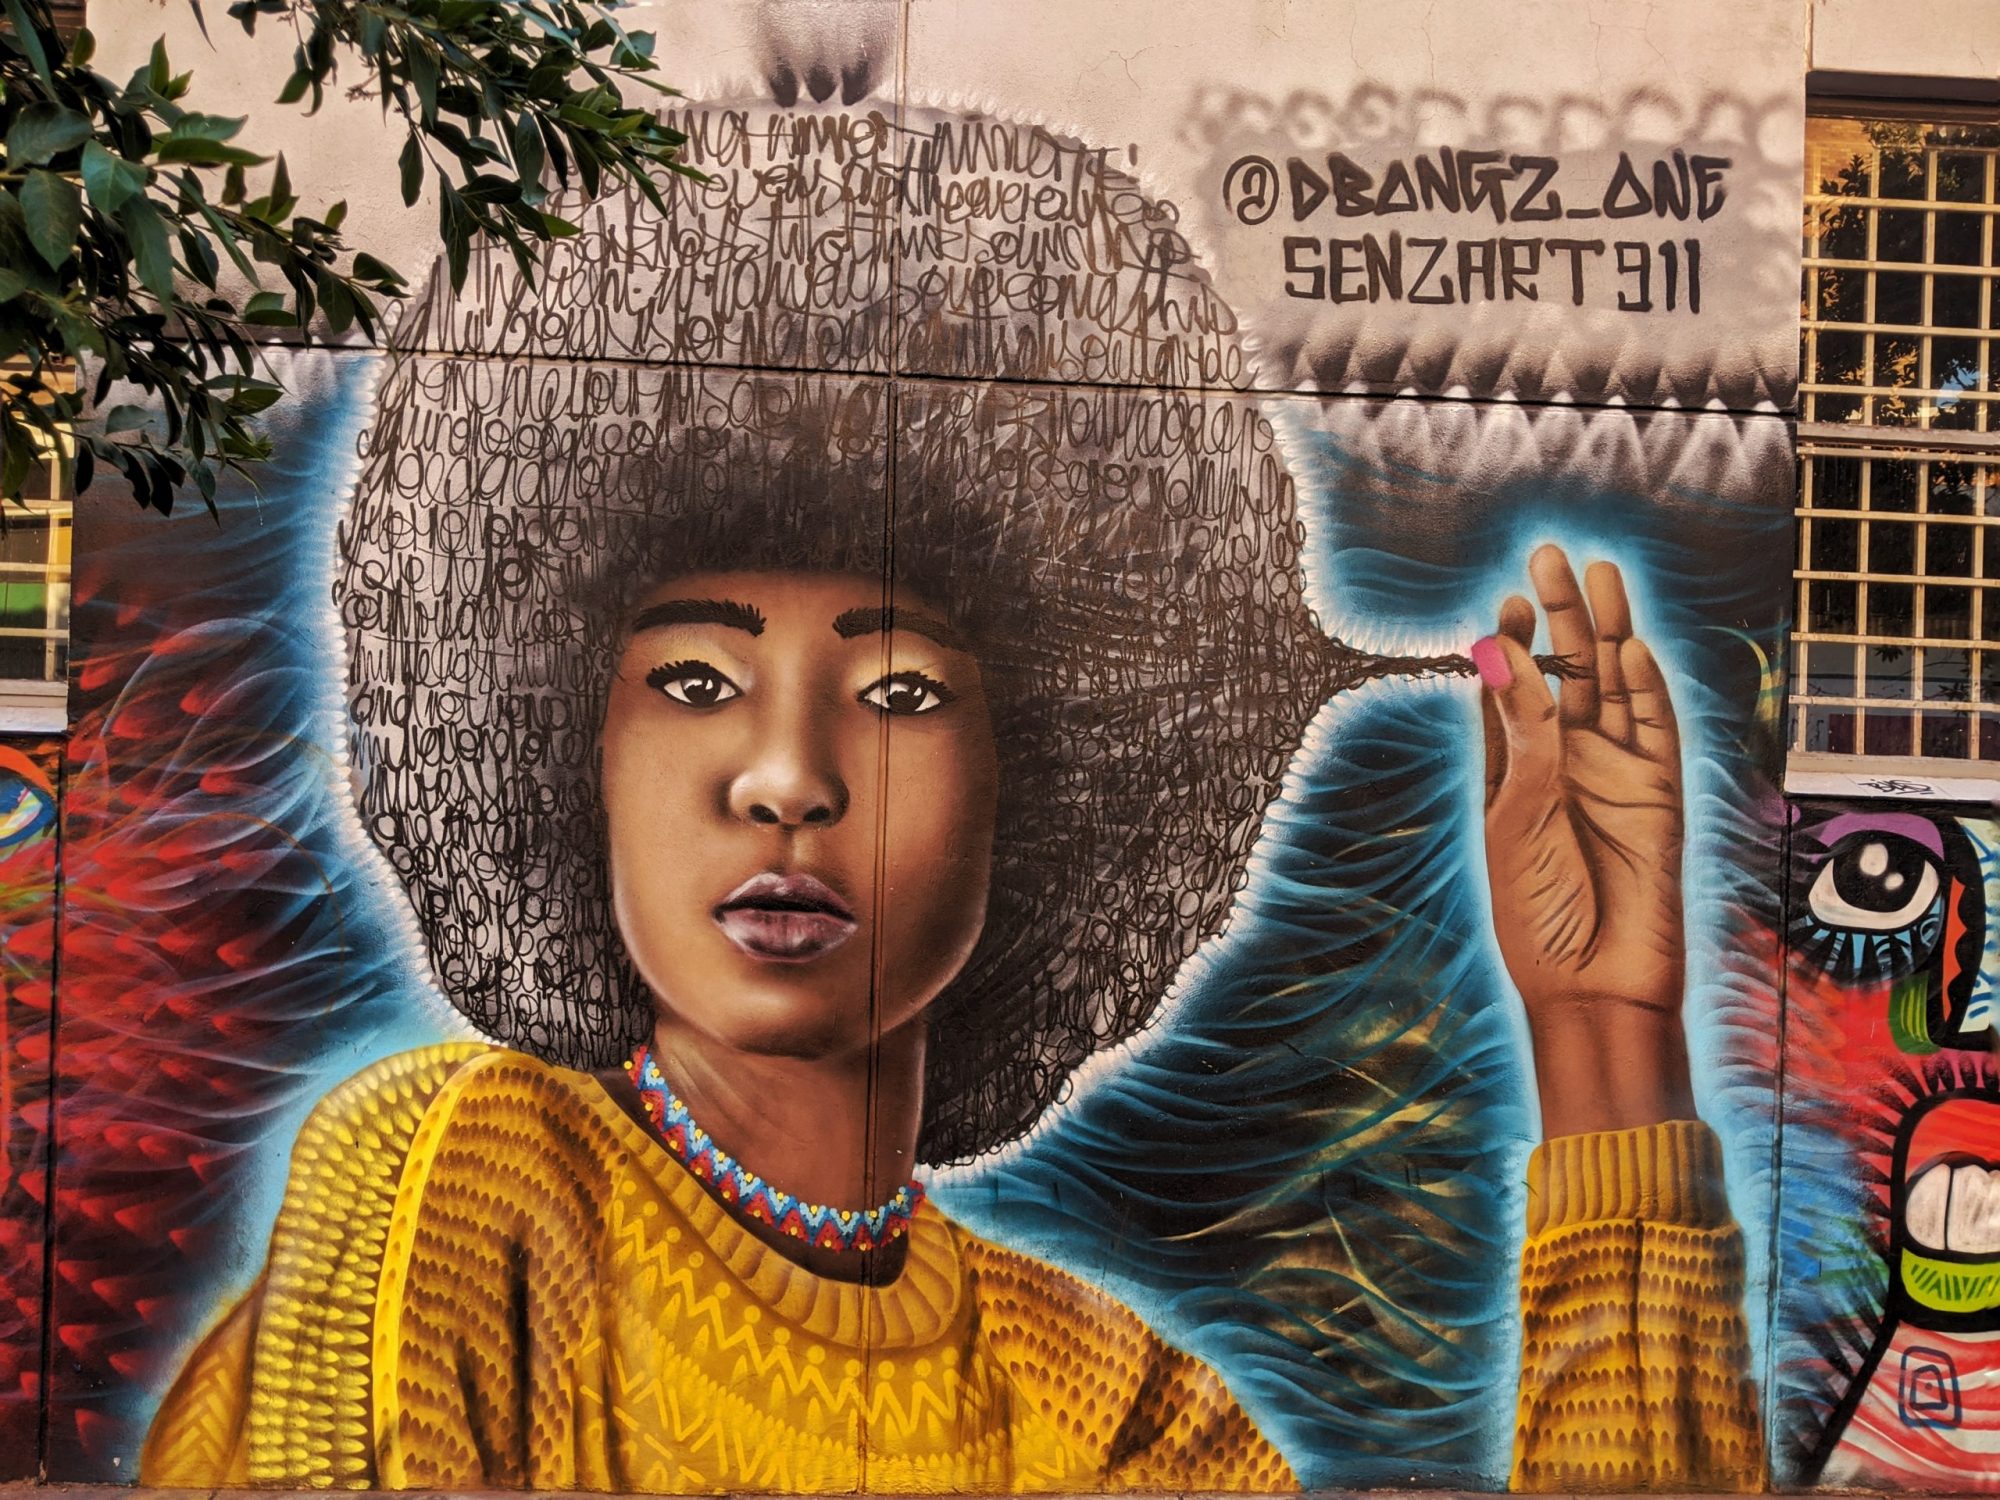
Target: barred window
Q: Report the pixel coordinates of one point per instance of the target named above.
(34, 578)
(1897, 645)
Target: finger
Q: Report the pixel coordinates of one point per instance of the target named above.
(1612, 613)
(1569, 631)
(1529, 734)
(1655, 732)
(1517, 620)
(1496, 749)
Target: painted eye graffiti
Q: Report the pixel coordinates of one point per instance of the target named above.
(1868, 902)
(1896, 905)
(1874, 883)
(694, 683)
(907, 693)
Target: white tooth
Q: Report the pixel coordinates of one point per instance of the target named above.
(1924, 1205)
(1974, 1222)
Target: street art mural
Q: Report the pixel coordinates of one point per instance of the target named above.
(30, 772)
(881, 840)
(1888, 1368)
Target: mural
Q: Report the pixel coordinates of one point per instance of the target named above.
(881, 841)
(30, 770)
(1892, 1102)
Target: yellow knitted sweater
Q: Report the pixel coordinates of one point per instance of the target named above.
(487, 1274)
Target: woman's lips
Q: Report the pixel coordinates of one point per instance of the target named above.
(785, 918)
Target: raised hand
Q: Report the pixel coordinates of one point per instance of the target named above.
(1583, 850)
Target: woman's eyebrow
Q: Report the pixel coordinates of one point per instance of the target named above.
(727, 612)
(857, 622)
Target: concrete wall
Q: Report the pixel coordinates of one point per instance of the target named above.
(1331, 1048)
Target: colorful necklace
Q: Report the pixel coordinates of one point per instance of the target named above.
(753, 1197)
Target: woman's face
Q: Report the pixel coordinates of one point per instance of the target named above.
(799, 784)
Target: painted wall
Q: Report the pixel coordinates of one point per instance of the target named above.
(1332, 1050)
(30, 774)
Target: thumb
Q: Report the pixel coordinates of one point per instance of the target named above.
(1526, 712)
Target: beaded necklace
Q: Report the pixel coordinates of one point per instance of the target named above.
(825, 1227)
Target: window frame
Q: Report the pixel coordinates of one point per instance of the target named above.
(1821, 439)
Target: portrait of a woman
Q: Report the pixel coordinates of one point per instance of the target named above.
(798, 777)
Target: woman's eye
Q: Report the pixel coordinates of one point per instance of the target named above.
(1874, 882)
(694, 683)
(907, 693)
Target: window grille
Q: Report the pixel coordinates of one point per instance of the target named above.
(1897, 640)
(35, 575)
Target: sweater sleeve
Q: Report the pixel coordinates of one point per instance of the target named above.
(279, 1394)
(1634, 1353)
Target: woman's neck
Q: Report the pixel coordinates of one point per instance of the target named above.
(840, 1131)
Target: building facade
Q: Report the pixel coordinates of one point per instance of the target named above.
(1279, 713)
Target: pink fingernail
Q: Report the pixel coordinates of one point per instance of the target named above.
(1492, 663)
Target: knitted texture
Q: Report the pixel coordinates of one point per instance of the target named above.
(558, 1304)
(1634, 1352)
(487, 1274)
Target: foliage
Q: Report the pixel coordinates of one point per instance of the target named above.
(120, 205)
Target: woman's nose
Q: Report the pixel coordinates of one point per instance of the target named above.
(791, 783)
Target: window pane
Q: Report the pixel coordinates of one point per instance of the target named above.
(1843, 234)
(1892, 549)
(1957, 242)
(1888, 671)
(1947, 674)
(1947, 551)
(1836, 546)
(1899, 234)
(1947, 611)
(1955, 301)
(1899, 298)
(1961, 177)
(1892, 609)
(1893, 484)
(1831, 609)
(1945, 734)
(1829, 670)
(1896, 356)
(1843, 295)
(1836, 482)
(1843, 358)
(1955, 364)
(1901, 174)
(1889, 733)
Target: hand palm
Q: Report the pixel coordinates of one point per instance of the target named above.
(1583, 851)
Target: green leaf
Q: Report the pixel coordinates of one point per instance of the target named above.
(337, 215)
(30, 38)
(282, 201)
(557, 229)
(12, 284)
(424, 78)
(126, 419)
(159, 72)
(83, 49)
(148, 234)
(54, 209)
(206, 127)
(197, 152)
(295, 87)
(412, 164)
(44, 130)
(269, 310)
(110, 179)
(368, 268)
(528, 150)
